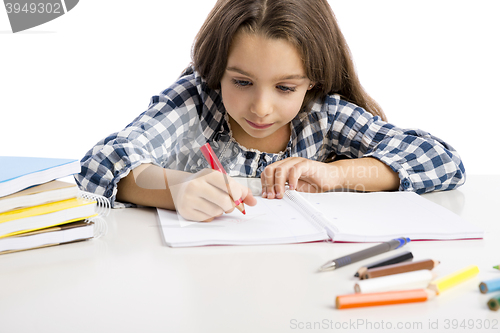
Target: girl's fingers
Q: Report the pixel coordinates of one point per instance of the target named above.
(250, 199)
(295, 173)
(302, 174)
(280, 178)
(226, 195)
(205, 211)
(267, 182)
(303, 186)
(202, 198)
(216, 197)
(275, 176)
(236, 190)
(269, 178)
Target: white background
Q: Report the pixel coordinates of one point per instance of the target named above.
(68, 83)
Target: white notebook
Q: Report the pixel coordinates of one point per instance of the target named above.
(335, 216)
(38, 195)
(63, 234)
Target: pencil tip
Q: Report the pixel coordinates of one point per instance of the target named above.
(244, 213)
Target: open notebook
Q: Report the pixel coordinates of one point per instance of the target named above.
(336, 216)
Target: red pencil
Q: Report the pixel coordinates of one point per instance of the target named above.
(216, 165)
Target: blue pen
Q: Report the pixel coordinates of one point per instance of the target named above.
(366, 253)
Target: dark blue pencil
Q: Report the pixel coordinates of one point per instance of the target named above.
(395, 259)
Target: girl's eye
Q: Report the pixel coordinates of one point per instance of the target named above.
(286, 89)
(241, 83)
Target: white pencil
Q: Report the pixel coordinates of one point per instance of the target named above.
(409, 280)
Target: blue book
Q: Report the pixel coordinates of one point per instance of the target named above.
(18, 173)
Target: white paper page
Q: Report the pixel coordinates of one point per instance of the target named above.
(269, 222)
(380, 216)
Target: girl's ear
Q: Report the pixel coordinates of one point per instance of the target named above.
(310, 86)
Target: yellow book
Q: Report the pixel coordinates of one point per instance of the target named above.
(47, 215)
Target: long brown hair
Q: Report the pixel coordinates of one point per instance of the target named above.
(310, 25)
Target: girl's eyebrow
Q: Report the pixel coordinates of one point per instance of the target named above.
(284, 77)
(237, 70)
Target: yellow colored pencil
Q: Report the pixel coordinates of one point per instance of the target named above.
(453, 279)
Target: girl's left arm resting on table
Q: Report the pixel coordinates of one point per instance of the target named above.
(366, 174)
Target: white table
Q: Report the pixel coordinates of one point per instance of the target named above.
(128, 281)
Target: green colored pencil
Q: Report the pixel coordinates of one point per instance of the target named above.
(497, 266)
(494, 303)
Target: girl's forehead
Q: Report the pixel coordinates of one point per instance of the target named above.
(254, 53)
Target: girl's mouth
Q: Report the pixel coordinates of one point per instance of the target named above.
(258, 126)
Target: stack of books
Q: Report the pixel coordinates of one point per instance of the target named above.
(39, 210)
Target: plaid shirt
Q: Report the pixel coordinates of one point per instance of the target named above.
(188, 114)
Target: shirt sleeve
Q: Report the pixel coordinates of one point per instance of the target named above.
(153, 137)
(423, 162)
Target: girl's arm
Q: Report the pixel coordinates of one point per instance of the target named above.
(367, 174)
(168, 134)
(198, 197)
(421, 161)
(147, 185)
(361, 174)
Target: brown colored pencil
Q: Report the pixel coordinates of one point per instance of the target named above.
(400, 268)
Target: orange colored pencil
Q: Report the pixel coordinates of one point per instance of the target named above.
(384, 298)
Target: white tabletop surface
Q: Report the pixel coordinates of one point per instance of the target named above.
(129, 281)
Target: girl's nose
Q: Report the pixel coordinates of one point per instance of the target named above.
(262, 104)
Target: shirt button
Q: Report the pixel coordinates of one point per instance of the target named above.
(109, 193)
(405, 183)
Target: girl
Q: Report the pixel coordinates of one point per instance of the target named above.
(273, 88)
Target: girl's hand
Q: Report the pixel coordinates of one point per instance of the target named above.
(204, 195)
(301, 174)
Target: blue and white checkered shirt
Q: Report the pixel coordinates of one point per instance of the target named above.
(188, 114)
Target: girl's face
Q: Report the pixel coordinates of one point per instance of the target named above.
(263, 88)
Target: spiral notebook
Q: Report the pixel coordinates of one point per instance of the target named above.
(79, 218)
(333, 216)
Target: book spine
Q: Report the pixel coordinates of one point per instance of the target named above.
(103, 208)
(309, 212)
(103, 204)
